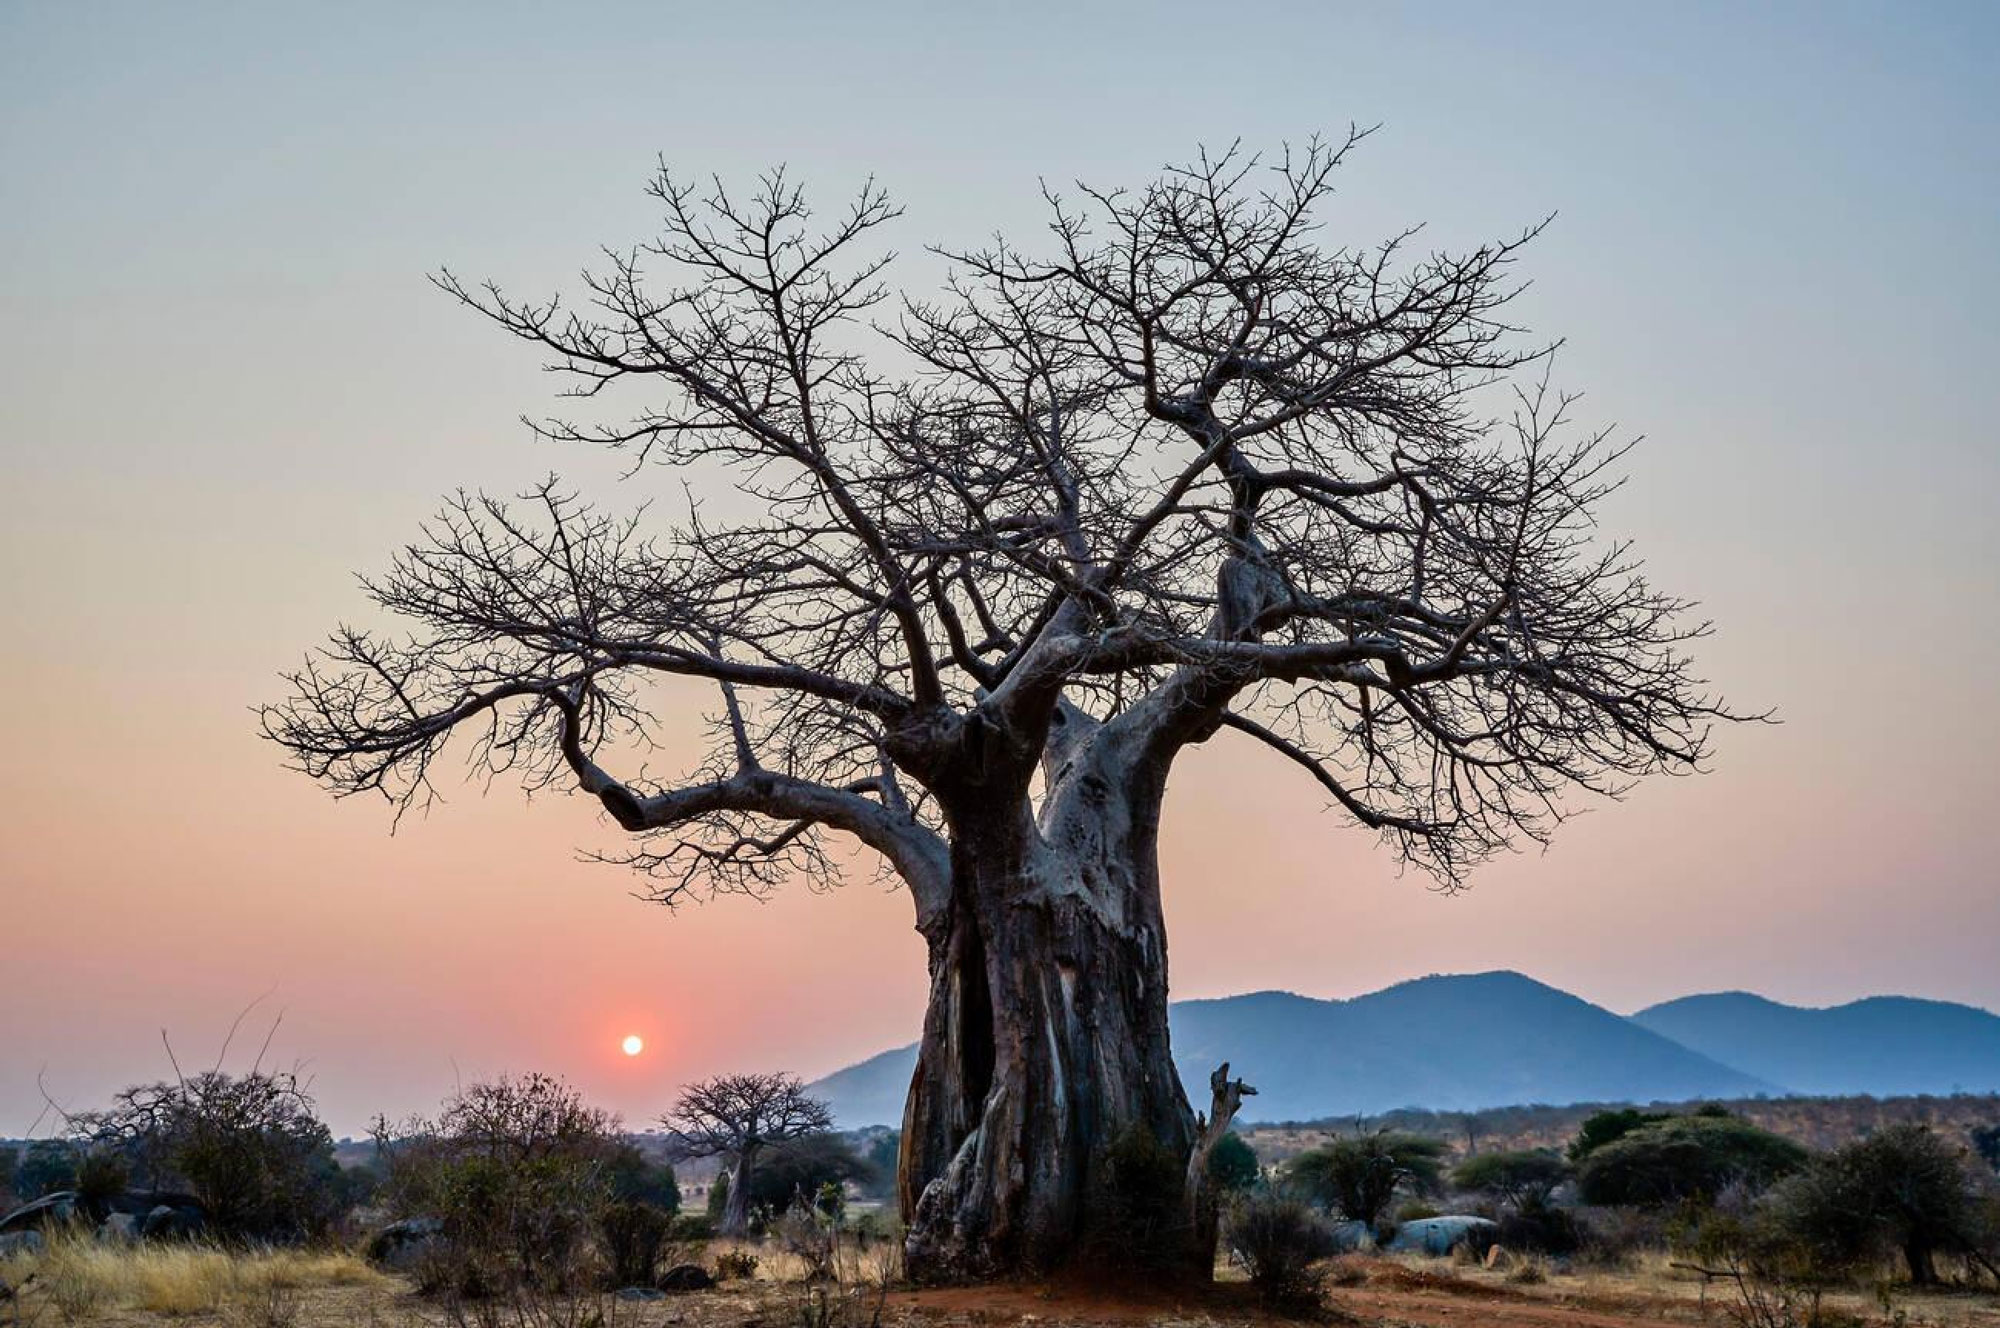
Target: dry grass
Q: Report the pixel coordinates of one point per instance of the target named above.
(81, 1279)
(192, 1287)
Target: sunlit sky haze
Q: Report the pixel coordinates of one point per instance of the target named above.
(225, 388)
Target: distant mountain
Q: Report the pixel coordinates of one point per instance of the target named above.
(1450, 1043)
(870, 1093)
(1884, 1045)
(1447, 1043)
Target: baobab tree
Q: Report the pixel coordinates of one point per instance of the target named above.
(1182, 466)
(737, 1116)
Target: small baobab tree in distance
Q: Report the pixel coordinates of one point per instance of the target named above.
(1185, 468)
(737, 1116)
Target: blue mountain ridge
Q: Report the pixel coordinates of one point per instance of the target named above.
(1469, 1041)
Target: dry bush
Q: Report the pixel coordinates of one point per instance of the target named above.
(635, 1236)
(1279, 1239)
(1347, 1270)
(810, 1236)
(821, 1305)
(516, 1171)
(735, 1266)
(1532, 1270)
(274, 1305)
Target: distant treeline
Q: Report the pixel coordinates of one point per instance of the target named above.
(1818, 1123)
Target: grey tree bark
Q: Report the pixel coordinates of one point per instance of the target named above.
(1046, 1034)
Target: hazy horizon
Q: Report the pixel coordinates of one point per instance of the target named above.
(226, 388)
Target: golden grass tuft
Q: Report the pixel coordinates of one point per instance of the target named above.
(81, 1277)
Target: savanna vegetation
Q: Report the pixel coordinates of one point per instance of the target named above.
(518, 1202)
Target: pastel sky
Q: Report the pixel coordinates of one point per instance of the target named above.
(225, 387)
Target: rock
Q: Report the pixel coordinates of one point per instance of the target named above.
(119, 1229)
(1497, 1259)
(47, 1211)
(1352, 1238)
(1439, 1236)
(400, 1244)
(169, 1222)
(27, 1241)
(686, 1277)
(639, 1293)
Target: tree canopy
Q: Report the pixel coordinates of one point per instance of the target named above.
(1183, 462)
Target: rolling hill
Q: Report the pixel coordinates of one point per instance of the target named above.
(1449, 1043)
(1884, 1045)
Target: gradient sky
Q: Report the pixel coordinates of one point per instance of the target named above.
(225, 387)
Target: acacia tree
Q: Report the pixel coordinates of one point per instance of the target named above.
(737, 1116)
(1183, 467)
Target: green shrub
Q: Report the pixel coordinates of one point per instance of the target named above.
(1528, 1176)
(1232, 1166)
(1358, 1176)
(1903, 1189)
(1607, 1127)
(1685, 1158)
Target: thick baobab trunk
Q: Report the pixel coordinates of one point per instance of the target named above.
(1045, 1040)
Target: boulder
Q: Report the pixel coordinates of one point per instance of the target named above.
(25, 1241)
(1439, 1236)
(686, 1277)
(119, 1229)
(400, 1244)
(171, 1222)
(1498, 1260)
(48, 1211)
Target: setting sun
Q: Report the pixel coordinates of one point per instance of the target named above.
(633, 1044)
